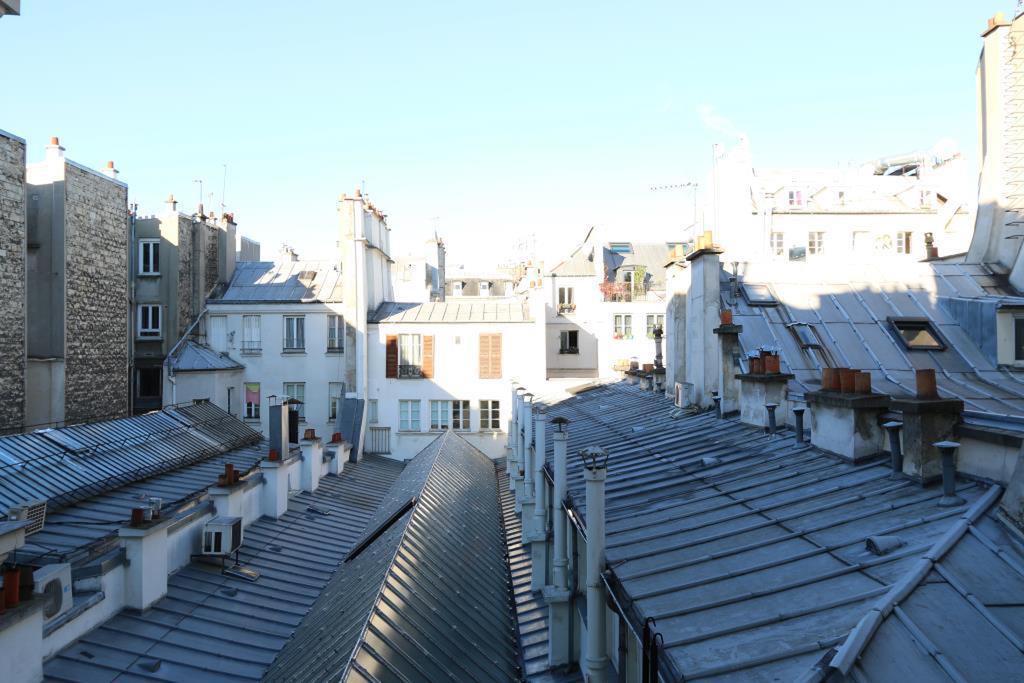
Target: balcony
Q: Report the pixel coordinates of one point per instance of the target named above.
(566, 308)
(626, 292)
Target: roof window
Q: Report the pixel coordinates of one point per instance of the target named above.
(620, 248)
(918, 334)
(759, 295)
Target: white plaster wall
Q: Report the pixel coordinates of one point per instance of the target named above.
(21, 645)
(988, 460)
(44, 397)
(112, 585)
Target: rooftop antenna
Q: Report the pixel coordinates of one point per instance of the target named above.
(198, 180)
(224, 189)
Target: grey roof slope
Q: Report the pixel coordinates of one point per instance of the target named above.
(651, 255)
(506, 311)
(265, 282)
(192, 356)
(80, 461)
(753, 563)
(846, 312)
(427, 598)
(211, 627)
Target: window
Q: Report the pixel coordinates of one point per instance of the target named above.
(925, 198)
(569, 341)
(903, 242)
(149, 321)
(460, 416)
(490, 415)
(620, 248)
(410, 358)
(485, 289)
(490, 356)
(457, 289)
(334, 399)
(409, 416)
(335, 333)
(252, 400)
(147, 382)
(841, 197)
(776, 244)
(758, 295)
(623, 326)
(297, 390)
(440, 414)
(1018, 338)
(795, 199)
(371, 412)
(294, 333)
(816, 243)
(883, 243)
(566, 299)
(149, 257)
(918, 334)
(861, 242)
(653, 321)
(251, 334)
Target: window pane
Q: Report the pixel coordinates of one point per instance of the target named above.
(333, 399)
(1018, 338)
(252, 400)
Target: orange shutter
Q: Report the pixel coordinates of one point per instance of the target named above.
(490, 356)
(391, 356)
(428, 356)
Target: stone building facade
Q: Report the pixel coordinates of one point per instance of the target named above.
(12, 281)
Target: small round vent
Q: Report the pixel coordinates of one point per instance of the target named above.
(53, 593)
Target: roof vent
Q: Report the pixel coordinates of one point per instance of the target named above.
(883, 545)
(33, 511)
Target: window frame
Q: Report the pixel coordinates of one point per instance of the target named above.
(904, 241)
(898, 324)
(622, 329)
(795, 198)
(777, 247)
(815, 245)
(138, 381)
(566, 348)
(302, 405)
(566, 299)
(335, 327)
(410, 370)
(650, 327)
(405, 422)
(747, 289)
(620, 247)
(372, 411)
(300, 334)
(149, 333)
(334, 402)
(151, 261)
(252, 347)
(248, 407)
(490, 415)
(440, 415)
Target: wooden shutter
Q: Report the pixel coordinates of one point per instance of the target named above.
(391, 356)
(428, 356)
(490, 356)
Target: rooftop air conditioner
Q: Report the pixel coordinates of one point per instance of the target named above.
(53, 583)
(222, 536)
(33, 511)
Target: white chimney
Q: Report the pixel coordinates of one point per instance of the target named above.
(510, 450)
(518, 453)
(54, 152)
(172, 204)
(557, 595)
(595, 470)
(527, 451)
(539, 539)
(110, 170)
(145, 578)
(274, 498)
(312, 461)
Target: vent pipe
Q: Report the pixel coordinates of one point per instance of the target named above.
(895, 449)
(595, 471)
(947, 449)
(798, 420)
(538, 542)
(557, 595)
(527, 461)
(513, 427)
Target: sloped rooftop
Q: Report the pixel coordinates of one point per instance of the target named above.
(211, 627)
(192, 356)
(510, 310)
(265, 282)
(749, 550)
(425, 595)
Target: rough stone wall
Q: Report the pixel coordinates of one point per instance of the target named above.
(212, 252)
(96, 322)
(12, 283)
(184, 276)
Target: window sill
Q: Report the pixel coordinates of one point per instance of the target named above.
(411, 431)
(149, 339)
(569, 352)
(148, 275)
(255, 420)
(335, 352)
(252, 352)
(294, 352)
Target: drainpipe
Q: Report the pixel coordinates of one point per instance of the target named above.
(510, 449)
(527, 465)
(539, 541)
(595, 471)
(557, 595)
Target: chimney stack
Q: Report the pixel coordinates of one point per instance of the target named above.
(527, 465)
(312, 461)
(557, 594)
(595, 471)
(54, 151)
(110, 171)
(846, 424)
(539, 538)
(172, 204)
(927, 419)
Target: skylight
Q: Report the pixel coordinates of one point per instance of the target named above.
(918, 334)
(759, 295)
(620, 248)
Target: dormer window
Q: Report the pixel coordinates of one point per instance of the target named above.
(918, 334)
(795, 199)
(759, 295)
(620, 248)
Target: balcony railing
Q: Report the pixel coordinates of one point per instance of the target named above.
(566, 308)
(626, 292)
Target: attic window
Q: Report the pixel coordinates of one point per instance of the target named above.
(307, 275)
(759, 295)
(918, 334)
(620, 248)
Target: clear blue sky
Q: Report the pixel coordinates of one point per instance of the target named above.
(500, 120)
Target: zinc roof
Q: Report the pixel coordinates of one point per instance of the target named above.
(192, 356)
(426, 594)
(263, 282)
(211, 627)
(749, 550)
(504, 311)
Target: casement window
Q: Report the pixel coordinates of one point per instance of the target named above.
(485, 289)
(569, 341)
(252, 400)
(776, 244)
(149, 321)
(371, 412)
(1018, 339)
(460, 416)
(457, 289)
(297, 390)
(918, 334)
(903, 242)
(147, 382)
(294, 333)
(440, 415)
(334, 399)
(653, 321)
(490, 356)
(566, 299)
(490, 415)
(149, 257)
(409, 356)
(816, 243)
(409, 416)
(795, 199)
(335, 334)
(252, 337)
(623, 326)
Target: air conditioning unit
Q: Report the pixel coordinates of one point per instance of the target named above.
(53, 583)
(34, 511)
(222, 536)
